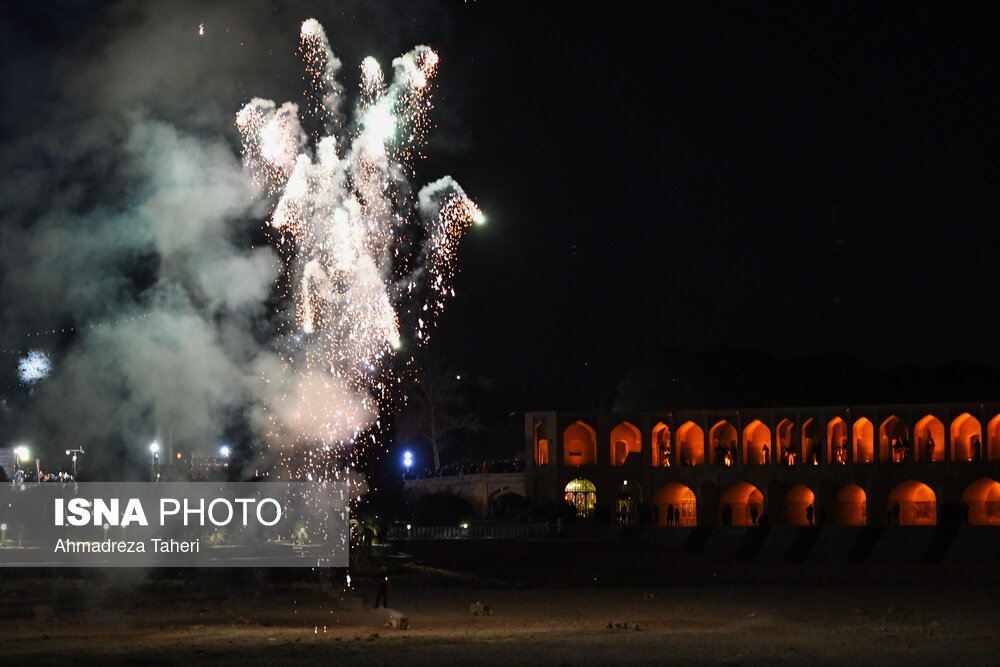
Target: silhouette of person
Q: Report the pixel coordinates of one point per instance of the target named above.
(670, 514)
(977, 449)
(930, 449)
(765, 450)
(809, 514)
(677, 516)
(753, 514)
(383, 591)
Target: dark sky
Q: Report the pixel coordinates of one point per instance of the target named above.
(663, 174)
(653, 173)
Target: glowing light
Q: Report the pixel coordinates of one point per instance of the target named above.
(372, 79)
(379, 126)
(201, 29)
(154, 448)
(22, 453)
(224, 451)
(33, 367)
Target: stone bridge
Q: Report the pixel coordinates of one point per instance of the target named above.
(479, 490)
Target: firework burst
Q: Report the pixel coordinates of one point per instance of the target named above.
(369, 262)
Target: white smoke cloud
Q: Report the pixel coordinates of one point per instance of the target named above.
(127, 218)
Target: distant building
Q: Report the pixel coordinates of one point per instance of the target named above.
(836, 465)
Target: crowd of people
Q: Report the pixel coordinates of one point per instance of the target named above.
(26, 475)
(469, 468)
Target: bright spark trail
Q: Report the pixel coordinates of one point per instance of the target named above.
(369, 263)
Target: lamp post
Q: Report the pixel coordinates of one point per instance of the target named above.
(74, 453)
(21, 455)
(407, 461)
(154, 450)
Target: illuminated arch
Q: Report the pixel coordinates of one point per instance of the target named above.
(541, 444)
(579, 445)
(799, 508)
(626, 506)
(836, 441)
(722, 438)
(993, 432)
(811, 442)
(625, 440)
(913, 503)
(982, 498)
(966, 438)
(679, 500)
(691, 442)
(850, 507)
(928, 439)
(864, 441)
(757, 436)
(582, 495)
(662, 447)
(785, 432)
(893, 428)
(741, 499)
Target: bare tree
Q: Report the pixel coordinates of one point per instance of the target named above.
(437, 410)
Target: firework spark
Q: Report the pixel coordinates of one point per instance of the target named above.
(33, 367)
(369, 263)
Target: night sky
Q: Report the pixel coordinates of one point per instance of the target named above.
(654, 175)
(667, 176)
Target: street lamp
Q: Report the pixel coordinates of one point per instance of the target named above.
(407, 461)
(224, 451)
(154, 450)
(74, 453)
(22, 453)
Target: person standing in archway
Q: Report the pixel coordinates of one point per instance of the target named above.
(809, 514)
(754, 513)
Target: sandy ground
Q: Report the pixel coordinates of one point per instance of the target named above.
(128, 620)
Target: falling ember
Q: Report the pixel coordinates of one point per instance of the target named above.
(370, 261)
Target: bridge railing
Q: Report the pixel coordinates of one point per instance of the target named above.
(504, 531)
